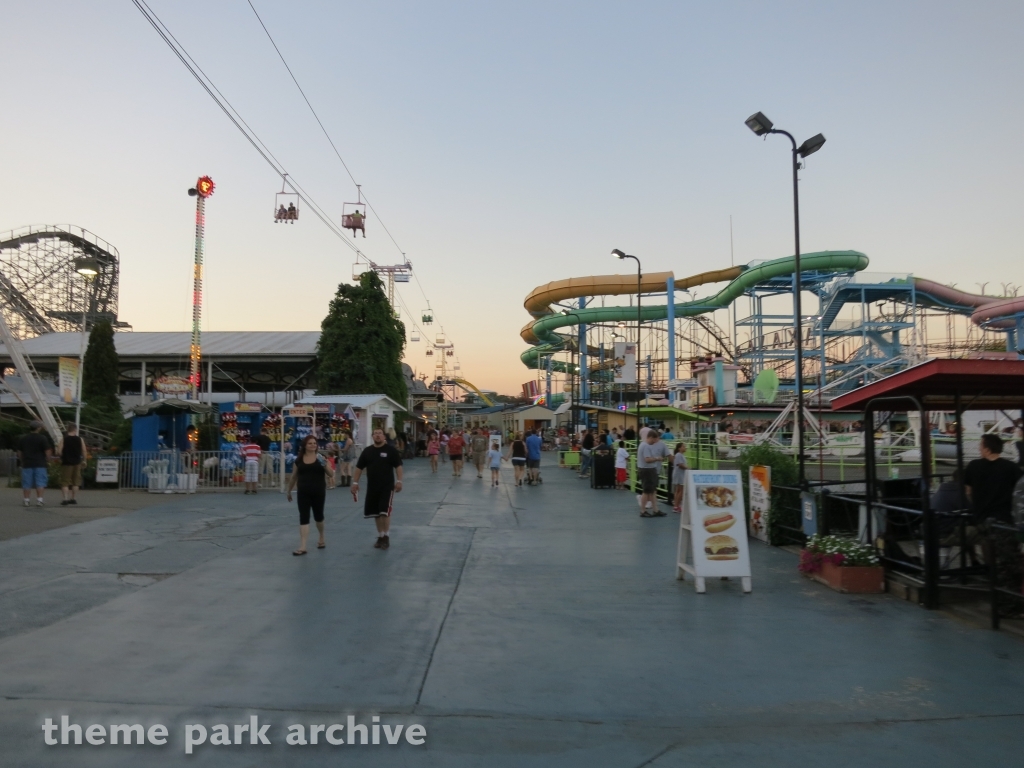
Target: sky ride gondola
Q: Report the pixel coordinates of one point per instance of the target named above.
(286, 205)
(353, 215)
(427, 316)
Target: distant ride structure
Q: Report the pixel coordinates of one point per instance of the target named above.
(42, 291)
(201, 191)
(866, 326)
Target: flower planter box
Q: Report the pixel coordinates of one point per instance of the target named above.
(857, 580)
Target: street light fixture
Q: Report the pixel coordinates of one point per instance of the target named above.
(762, 126)
(639, 320)
(88, 268)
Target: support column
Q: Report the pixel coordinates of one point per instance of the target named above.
(548, 391)
(209, 382)
(142, 384)
(671, 319)
(584, 395)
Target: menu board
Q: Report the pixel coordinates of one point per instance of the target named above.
(712, 529)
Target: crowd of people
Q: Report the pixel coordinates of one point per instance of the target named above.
(482, 448)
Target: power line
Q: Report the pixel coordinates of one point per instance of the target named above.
(264, 151)
(322, 128)
(335, 148)
(236, 119)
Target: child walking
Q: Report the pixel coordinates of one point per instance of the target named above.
(621, 464)
(679, 467)
(433, 450)
(494, 459)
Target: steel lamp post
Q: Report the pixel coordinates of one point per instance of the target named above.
(762, 126)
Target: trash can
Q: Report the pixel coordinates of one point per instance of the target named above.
(602, 473)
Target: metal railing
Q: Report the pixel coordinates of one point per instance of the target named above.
(193, 471)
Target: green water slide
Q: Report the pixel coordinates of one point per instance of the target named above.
(545, 328)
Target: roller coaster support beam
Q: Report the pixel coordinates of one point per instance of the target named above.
(670, 284)
(582, 372)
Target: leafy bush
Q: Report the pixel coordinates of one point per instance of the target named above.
(836, 550)
(785, 472)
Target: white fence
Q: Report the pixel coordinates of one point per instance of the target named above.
(192, 471)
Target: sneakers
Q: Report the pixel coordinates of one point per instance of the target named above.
(386, 542)
(64, 502)
(39, 502)
(26, 502)
(379, 544)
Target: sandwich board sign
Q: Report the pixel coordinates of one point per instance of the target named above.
(712, 529)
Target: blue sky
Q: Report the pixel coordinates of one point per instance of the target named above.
(506, 145)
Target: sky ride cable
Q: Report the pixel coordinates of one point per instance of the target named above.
(337, 153)
(238, 121)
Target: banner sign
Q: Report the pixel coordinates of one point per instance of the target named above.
(760, 501)
(712, 536)
(106, 470)
(625, 362)
(172, 385)
(67, 376)
(248, 407)
(704, 396)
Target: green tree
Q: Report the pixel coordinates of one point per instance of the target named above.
(361, 343)
(784, 510)
(102, 408)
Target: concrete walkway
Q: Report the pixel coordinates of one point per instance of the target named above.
(537, 626)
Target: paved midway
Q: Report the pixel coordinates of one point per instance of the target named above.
(536, 626)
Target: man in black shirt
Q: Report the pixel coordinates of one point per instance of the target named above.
(382, 463)
(629, 434)
(73, 457)
(586, 449)
(34, 452)
(990, 481)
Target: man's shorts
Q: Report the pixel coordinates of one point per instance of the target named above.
(456, 457)
(620, 475)
(533, 463)
(252, 471)
(648, 480)
(71, 476)
(34, 477)
(378, 503)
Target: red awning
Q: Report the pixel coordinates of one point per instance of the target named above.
(981, 384)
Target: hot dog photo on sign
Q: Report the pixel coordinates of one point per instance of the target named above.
(718, 522)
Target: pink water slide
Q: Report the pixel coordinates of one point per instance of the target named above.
(993, 311)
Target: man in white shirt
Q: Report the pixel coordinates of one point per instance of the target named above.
(650, 455)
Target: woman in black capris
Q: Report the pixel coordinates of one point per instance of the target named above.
(309, 472)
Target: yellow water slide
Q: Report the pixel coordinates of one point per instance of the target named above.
(541, 331)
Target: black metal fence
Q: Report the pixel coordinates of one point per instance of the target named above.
(1005, 570)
